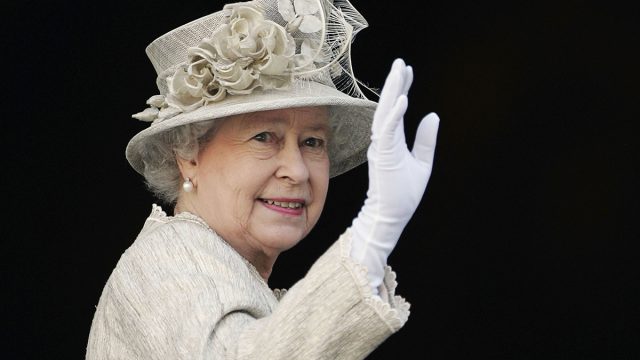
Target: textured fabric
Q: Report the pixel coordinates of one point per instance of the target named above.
(181, 292)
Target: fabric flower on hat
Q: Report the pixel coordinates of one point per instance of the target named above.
(253, 49)
(300, 15)
(246, 53)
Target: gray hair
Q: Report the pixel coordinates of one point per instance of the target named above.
(161, 172)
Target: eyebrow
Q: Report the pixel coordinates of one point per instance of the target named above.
(316, 126)
(319, 127)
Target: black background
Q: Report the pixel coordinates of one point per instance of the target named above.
(524, 244)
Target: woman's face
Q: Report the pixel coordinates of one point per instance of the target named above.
(261, 181)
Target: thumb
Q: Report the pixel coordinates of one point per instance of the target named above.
(425, 144)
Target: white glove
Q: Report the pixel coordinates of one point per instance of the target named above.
(397, 177)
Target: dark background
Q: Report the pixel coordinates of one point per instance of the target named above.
(524, 244)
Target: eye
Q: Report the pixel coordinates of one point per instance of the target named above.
(314, 142)
(263, 137)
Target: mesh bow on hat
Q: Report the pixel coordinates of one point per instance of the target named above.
(261, 55)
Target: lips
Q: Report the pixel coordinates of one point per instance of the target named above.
(285, 206)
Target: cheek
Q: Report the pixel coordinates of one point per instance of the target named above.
(236, 202)
(245, 183)
(320, 181)
(234, 168)
(234, 180)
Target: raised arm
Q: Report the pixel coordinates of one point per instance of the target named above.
(397, 177)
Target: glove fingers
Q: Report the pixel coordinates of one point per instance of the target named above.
(393, 130)
(408, 79)
(393, 87)
(425, 143)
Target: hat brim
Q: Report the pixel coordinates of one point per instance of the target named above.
(350, 120)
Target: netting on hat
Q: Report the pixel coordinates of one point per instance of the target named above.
(319, 34)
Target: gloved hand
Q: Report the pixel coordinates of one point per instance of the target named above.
(397, 177)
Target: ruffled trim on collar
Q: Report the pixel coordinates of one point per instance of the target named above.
(157, 214)
(279, 293)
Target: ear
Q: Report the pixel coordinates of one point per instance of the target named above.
(188, 168)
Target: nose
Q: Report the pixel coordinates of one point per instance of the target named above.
(291, 164)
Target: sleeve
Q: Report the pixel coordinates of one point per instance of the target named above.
(330, 314)
(160, 312)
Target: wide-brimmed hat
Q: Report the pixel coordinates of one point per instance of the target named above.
(261, 55)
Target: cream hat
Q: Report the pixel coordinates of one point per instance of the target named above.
(261, 55)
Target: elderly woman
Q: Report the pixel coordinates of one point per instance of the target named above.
(246, 133)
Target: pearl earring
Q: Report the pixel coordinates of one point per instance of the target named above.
(187, 185)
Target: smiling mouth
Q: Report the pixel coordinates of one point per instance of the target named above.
(284, 204)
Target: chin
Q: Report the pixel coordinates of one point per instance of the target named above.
(283, 239)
